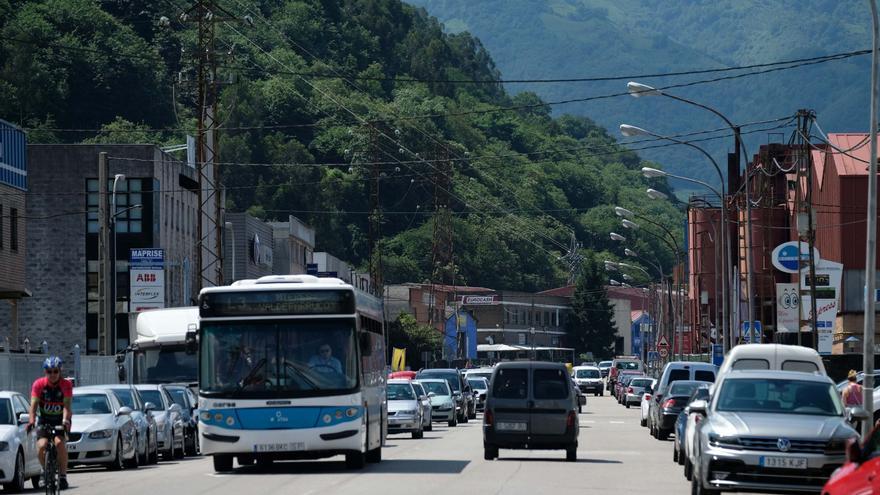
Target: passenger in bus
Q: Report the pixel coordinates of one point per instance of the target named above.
(324, 362)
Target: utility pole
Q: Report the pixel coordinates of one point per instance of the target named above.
(573, 259)
(871, 235)
(209, 256)
(804, 227)
(106, 304)
(375, 227)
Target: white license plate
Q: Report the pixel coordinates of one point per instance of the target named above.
(506, 426)
(279, 447)
(784, 462)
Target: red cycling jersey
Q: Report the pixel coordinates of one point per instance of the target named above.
(50, 399)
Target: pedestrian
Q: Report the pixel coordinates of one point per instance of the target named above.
(852, 393)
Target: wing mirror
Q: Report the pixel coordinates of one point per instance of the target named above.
(175, 408)
(698, 406)
(191, 342)
(431, 394)
(24, 418)
(857, 413)
(149, 407)
(124, 411)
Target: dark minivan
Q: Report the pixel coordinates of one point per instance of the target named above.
(530, 405)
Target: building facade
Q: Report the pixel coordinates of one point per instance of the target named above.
(326, 263)
(156, 207)
(294, 243)
(13, 230)
(248, 249)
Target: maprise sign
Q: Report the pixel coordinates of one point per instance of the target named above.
(146, 279)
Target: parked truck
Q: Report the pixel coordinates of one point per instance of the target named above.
(161, 352)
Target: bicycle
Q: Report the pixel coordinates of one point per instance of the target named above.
(51, 472)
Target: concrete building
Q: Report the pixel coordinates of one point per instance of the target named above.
(13, 230)
(294, 243)
(326, 263)
(430, 304)
(248, 250)
(62, 237)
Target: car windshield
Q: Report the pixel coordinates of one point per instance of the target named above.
(587, 374)
(153, 396)
(125, 397)
(166, 365)
(438, 388)
(451, 377)
(779, 396)
(627, 365)
(6, 412)
(90, 404)
(400, 391)
(683, 388)
(478, 384)
(178, 395)
(280, 358)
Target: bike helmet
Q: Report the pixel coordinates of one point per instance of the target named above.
(52, 362)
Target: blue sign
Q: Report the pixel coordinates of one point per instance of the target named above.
(147, 258)
(717, 354)
(326, 274)
(13, 156)
(653, 356)
(312, 269)
(465, 324)
(747, 333)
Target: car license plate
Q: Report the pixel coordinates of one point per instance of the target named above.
(506, 426)
(279, 447)
(784, 462)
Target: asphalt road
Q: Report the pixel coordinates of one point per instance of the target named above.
(616, 455)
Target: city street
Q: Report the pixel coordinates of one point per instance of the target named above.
(616, 455)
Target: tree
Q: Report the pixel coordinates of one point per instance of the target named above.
(407, 333)
(590, 326)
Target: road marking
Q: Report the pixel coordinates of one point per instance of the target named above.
(616, 422)
(589, 421)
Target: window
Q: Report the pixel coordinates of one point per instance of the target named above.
(551, 384)
(128, 194)
(802, 366)
(13, 229)
(676, 375)
(704, 376)
(1, 226)
(521, 339)
(511, 383)
(751, 364)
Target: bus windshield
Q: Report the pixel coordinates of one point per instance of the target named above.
(278, 358)
(167, 365)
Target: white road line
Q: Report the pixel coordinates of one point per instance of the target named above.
(616, 422)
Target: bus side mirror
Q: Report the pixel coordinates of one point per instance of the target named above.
(120, 357)
(191, 343)
(121, 374)
(366, 344)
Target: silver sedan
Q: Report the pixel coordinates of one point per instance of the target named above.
(102, 431)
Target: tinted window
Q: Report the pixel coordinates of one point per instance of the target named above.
(6, 417)
(125, 397)
(419, 390)
(802, 366)
(704, 376)
(587, 374)
(641, 382)
(437, 388)
(451, 377)
(628, 365)
(779, 396)
(179, 397)
(685, 389)
(551, 384)
(512, 383)
(751, 364)
(90, 404)
(400, 391)
(676, 375)
(155, 397)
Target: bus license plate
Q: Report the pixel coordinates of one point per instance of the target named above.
(506, 426)
(279, 447)
(784, 462)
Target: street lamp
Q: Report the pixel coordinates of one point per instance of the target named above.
(725, 275)
(655, 194)
(629, 224)
(629, 252)
(614, 282)
(617, 237)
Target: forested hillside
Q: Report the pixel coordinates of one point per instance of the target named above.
(597, 38)
(299, 79)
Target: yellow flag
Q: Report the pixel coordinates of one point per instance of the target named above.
(398, 359)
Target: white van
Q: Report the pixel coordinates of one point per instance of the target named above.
(773, 357)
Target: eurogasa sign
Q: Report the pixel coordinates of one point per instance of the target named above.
(785, 256)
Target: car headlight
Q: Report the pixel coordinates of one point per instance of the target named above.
(4, 446)
(718, 440)
(96, 435)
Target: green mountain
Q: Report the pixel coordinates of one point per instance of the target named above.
(295, 136)
(538, 39)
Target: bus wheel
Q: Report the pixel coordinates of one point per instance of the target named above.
(222, 463)
(355, 460)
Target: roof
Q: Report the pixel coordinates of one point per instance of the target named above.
(858, 153)
(566, 291)
(165, 325)
(531, 364)
(772, 350)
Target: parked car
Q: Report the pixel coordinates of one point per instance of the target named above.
(530, 405)
(623, 363)
(404, 409)
(700, 392)
(460, 389)
(588, 379)
(479, 373)
(860, 379)
(674, 400)
(168, 419)
(675, 371)
(147, 430)
(442, 400)
(635, 389)
(623, 380)
(773, 357)
(189, 414)
(480, 386)
(604, 368)
(646, 402)
(101, 431)
(425, 404)
(859, 475)
(18, 449)
(771, 431)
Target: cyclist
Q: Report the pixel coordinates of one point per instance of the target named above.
(51, 395)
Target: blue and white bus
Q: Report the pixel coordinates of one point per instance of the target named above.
(291, 367)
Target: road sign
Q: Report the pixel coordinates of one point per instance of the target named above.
(747, 332)
(662, 343)
(653, 356)
(664, 353)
